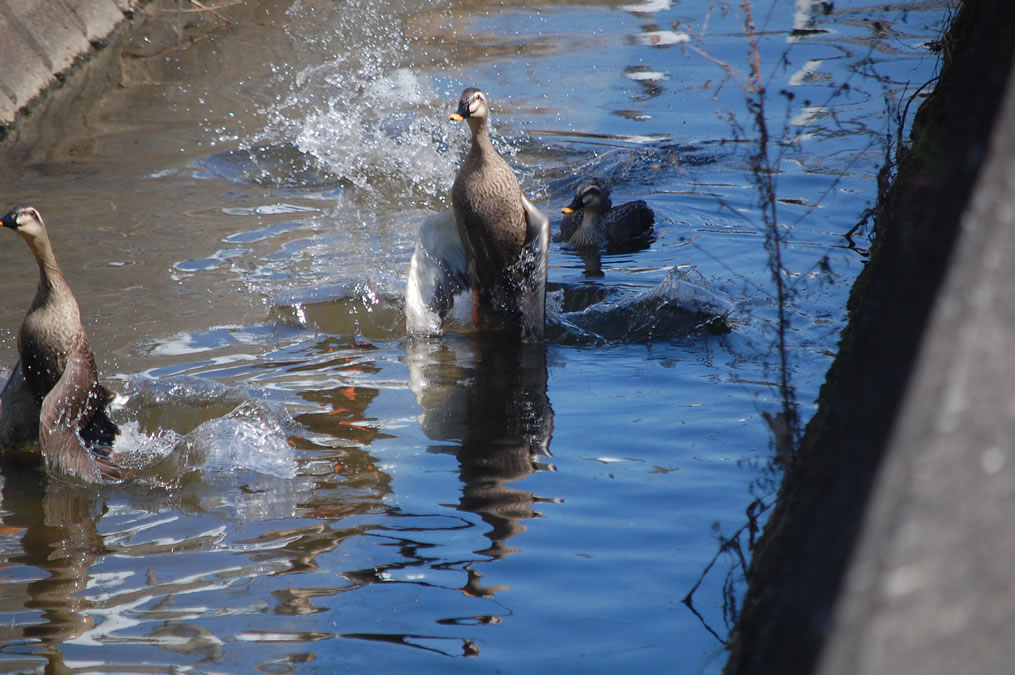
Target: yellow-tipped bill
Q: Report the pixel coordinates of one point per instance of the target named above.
(456, 117)
(567, 209)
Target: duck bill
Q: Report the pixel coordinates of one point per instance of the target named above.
(574, 206)
(461, 113)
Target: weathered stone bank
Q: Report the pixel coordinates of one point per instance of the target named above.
(42, 40)
(890, 548)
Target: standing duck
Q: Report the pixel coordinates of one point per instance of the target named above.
(54, 388)
(506, 238)
(591, 220)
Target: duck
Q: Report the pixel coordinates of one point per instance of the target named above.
(54, 389)
(504, 236)
(591, 220)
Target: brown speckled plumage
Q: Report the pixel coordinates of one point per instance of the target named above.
(495, 223)
(57, 368)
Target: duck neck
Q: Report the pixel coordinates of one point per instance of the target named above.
(51, 281)
(482, 144)
(588, 233)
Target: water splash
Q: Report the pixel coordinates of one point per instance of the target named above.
(135, 449)
(252, 438)
(200, 425)
(364, 113)
(681, 304)
(386, 131)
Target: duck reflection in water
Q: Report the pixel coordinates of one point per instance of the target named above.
(60, 539)
(491, 396)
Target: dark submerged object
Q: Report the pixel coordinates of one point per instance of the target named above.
(591, 220)
(53, 392)
(504, 236)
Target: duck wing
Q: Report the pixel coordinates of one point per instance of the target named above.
(533, 269)
(19, 412)
(438, 271)
(630, 222)
(75, 433)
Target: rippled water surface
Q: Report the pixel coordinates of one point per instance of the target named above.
(319, 491)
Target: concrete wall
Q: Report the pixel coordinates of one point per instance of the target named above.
(41, 39)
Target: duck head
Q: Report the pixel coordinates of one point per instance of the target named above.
(472, 107)
(26, 221)
(591, 196)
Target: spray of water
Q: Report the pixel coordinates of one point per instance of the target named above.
(365, 111)
(252, 438)
(681, 304)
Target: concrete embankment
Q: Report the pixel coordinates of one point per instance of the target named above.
(43, 39)
(890, 548)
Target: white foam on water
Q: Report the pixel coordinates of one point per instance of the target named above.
(662, 38)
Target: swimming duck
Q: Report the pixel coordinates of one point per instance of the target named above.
(591, 220)
(505, 237)
(54, 388)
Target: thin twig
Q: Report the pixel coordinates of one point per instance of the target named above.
(210, 10)
(166, 10)
(764, 177)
